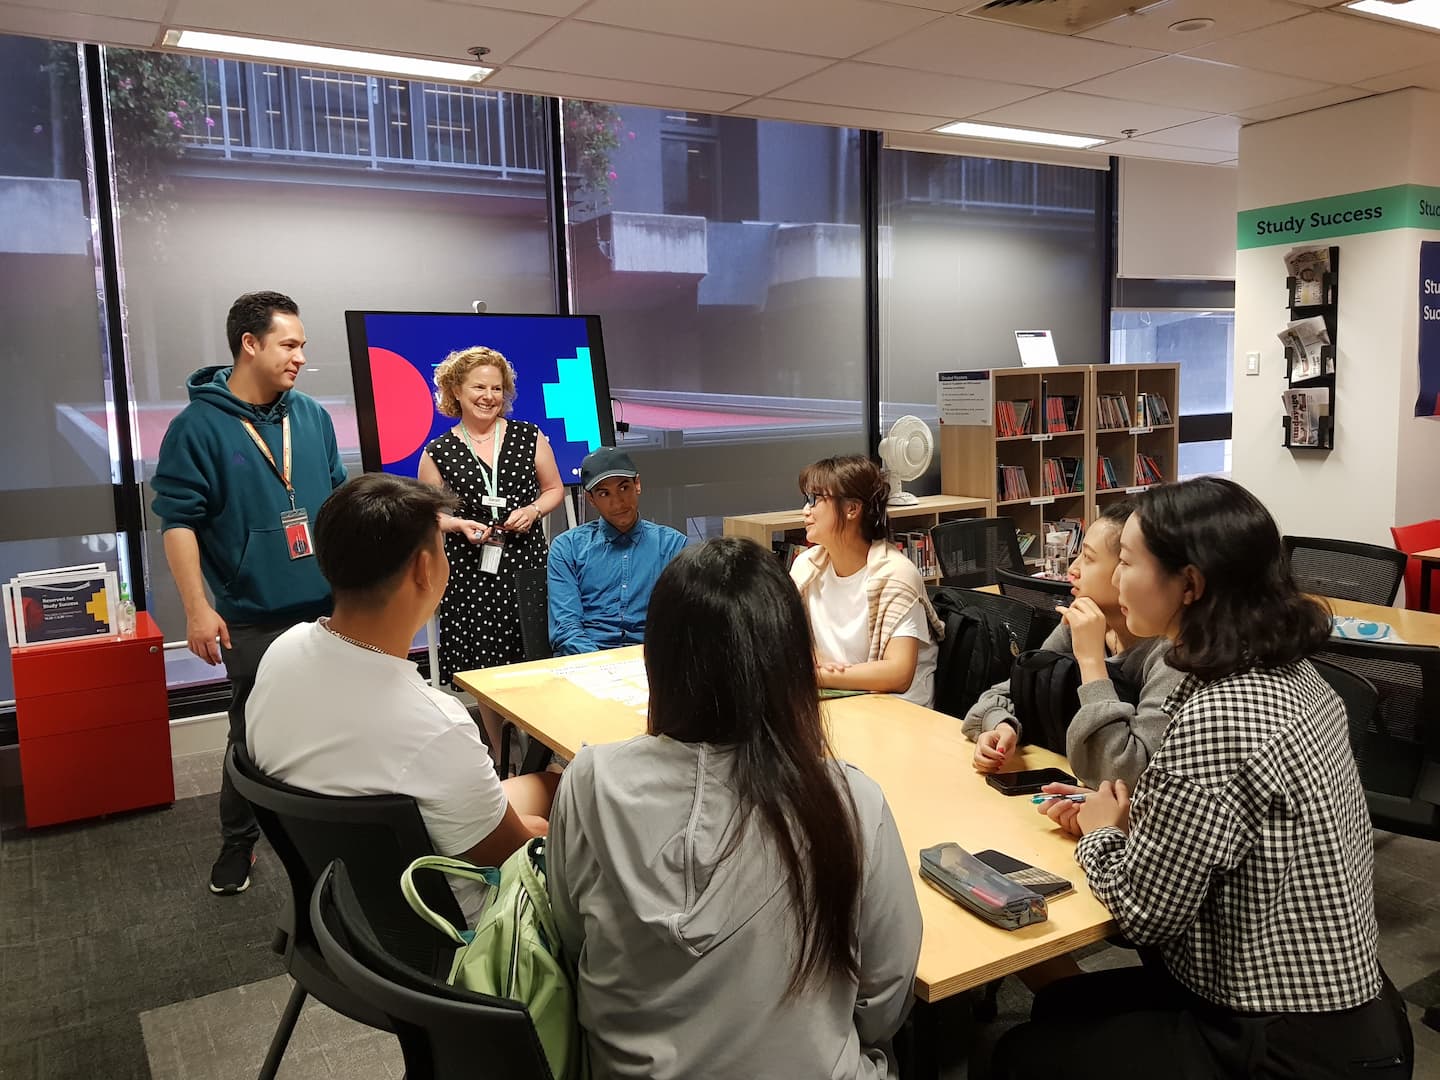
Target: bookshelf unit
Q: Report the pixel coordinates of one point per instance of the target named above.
(970, 457)
(789, 525)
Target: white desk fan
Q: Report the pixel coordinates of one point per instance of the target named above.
(906, 452)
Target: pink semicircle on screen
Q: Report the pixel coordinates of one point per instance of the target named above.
(404, 409)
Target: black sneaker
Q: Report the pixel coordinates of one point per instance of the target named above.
(231, 872)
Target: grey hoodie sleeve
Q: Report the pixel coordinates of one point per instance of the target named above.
(994, 706)
(558, 869)
(1110, 738)
(889, 936)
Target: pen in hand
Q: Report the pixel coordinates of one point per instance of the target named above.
(1076, 798)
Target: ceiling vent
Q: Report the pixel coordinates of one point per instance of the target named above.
(1057, 16)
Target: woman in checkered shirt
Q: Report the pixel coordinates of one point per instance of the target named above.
(1243, 866)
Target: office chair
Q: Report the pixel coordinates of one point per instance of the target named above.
(378, 836)
(1345, 569)
(1421, 536)
(971, 549)
(1044, 593)
(1398, 750)
(445, 1032)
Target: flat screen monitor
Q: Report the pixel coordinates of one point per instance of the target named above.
(560, 383)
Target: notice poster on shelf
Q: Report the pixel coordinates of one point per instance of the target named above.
(1427, 403)
(1037, 348)
(965, 398)
(60, 605)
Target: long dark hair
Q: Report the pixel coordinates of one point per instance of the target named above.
(854, 477)
(729, 658)
(1251, 613)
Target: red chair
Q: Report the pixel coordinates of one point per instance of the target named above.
(1410, 539)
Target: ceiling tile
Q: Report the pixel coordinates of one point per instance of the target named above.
(809, 113)
(933, 5)
(1198, 84)
(1150, 29)
(1135, 148)
(154, 10)
(617, 91)
(417, 28)
(1426, 76)
(1216, 133)
(838, 28)
(1334, 95)
(1084, 114)
(870, 86)
(613, 53)
(1342, 48)
(987, 50)
(558, 8)
(68, 26)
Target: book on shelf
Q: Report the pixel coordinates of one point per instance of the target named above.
(1147, 470)
(1012, 418)
(1074, 530)
(1105, 477)
(1113, 411)
(1306, 268)
(1011, 482)
(1062, 413)
(787, 551)
(1304, 410)
(1062, 476)
(920, 550)
(1151, 410)
(1026, 541)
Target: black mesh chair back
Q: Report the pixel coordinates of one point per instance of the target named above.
(1028, 625)
(1397, 750)
(1044, 593)
(533, 596)
(970, 550)
(1346, 569)
(445, 1033)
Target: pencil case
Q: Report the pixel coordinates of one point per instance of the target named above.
(981, 889)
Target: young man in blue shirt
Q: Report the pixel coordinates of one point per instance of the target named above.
(601, 573)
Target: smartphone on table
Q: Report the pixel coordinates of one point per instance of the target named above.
(1027, 782)
(1043, 882)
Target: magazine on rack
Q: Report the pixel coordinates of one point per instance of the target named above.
(1304, 339)
(1305, 408)
(1307, 267)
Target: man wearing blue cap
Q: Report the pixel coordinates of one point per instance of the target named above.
(601, 573)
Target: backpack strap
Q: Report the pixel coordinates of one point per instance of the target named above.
(486, 875)
(531, 869)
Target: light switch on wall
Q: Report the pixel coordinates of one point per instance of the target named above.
(1252, 363)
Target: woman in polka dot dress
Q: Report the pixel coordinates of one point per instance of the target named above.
(480, 616)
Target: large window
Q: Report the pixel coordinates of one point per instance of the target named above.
(1203, 344)
(725, 256)
(973, 249)
(343, 191)
(57, 422)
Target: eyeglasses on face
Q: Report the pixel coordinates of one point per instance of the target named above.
(812, 497)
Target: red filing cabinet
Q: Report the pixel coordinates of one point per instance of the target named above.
(94, 725)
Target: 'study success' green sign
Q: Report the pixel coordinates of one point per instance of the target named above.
(1404, 206)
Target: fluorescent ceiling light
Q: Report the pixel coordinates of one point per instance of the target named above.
(1418, 12)
(323, 56)
(1024, 135)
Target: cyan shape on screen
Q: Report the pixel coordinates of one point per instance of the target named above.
(572, 399)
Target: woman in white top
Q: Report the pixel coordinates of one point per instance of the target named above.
(873, 625)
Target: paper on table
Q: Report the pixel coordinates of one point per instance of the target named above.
(623, 682)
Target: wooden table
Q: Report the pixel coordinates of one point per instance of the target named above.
(922, 762)
(1429, 563)
(1414, 627)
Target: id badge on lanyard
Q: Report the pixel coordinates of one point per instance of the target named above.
(295, 522)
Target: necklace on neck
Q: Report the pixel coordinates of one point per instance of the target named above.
(325, 625)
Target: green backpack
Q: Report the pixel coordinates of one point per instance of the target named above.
(514, 952)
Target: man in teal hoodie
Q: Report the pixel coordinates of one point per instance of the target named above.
(242, 473)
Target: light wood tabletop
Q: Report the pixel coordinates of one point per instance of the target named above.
(920, 760)
(1414, 627)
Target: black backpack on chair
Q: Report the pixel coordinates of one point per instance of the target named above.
(976, 653)
(1045, 693)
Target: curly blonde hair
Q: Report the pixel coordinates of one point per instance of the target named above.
(451, 374)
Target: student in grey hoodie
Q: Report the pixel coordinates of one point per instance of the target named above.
(737, 902)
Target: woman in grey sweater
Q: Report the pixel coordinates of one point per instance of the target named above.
(1109, 738)
(737, 902)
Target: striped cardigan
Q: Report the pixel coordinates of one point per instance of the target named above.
(893, 587)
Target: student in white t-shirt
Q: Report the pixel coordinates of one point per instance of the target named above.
(872, 622)
(339, 709)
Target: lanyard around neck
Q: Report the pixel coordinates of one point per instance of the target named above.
(490, 475)
(285, 453)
